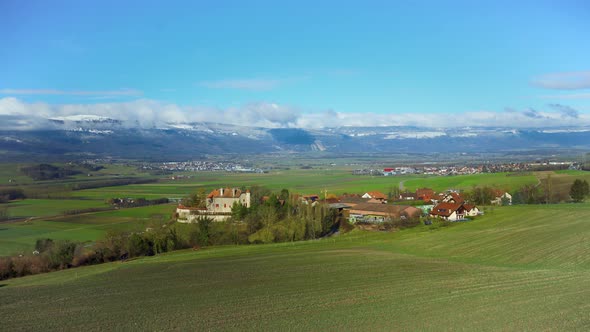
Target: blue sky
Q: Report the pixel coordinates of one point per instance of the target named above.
(336, 57)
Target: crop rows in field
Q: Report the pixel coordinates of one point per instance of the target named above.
(517, 268)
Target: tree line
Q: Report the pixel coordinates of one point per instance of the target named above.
(9, 194)
(547, 191)
(53, 255)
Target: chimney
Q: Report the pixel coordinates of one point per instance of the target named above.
(220, 191)
(233, 192)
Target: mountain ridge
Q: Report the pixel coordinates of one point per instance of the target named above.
(102, 136)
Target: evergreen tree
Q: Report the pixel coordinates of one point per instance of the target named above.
(579, 190)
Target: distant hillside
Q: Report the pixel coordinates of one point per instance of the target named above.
(101, 137)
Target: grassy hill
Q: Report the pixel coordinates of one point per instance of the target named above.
(517, 268)
(20, 237)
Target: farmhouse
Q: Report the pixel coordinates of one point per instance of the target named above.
(471, 210)
(501, 197)
(424, 194)
(353, 200)
(452, 197)
(448, 211)
(407, 196)
(378, 213)
(375, 195)
(454, 211)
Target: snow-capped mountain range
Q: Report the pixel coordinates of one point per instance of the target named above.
(102, 136)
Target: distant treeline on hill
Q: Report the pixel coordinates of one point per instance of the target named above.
(48, 172)
(43, 172)
(131, 202)
(8, 194)
(111, 183)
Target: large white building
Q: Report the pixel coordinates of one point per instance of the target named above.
(221, 200)
(218, 205)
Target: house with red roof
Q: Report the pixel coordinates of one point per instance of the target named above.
(407, 196)
(221, 200)
(424, 194)
(452, 197)
(471, 210)
(449, 211)
(375, 195)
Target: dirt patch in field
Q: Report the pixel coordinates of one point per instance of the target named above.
(374, 228)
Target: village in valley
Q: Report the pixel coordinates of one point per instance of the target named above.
(372, 207)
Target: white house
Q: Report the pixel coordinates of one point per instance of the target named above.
(448, 211)
(471, 210)
(375, 195)
(454, 211)
(501, 196)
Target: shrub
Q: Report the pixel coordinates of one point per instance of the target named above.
(37, 264)
(61, 254)
(84, 256)
(6, 270)
(21, 266)
(43, 245)
(138, 246)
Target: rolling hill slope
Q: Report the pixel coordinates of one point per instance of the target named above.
(518, 268)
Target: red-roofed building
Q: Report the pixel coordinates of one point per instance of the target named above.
(448, 211)
(422, 193)
(407, 196)
(375, 195)
(471, 210)
(453, 197)
(221, 200)
(454, 211)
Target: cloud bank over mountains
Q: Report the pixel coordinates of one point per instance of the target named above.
(16, 114)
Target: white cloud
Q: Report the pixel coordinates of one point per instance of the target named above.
(17, 114)
(568, 96)
(121, 92)
(564, 81)
(252, 84)
(256, 84)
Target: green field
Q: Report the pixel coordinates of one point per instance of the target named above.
(336, 181)
(49, 207)
(505, 181)
(20, 237)
(296, 180)
(517, 268)
(11, 172)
